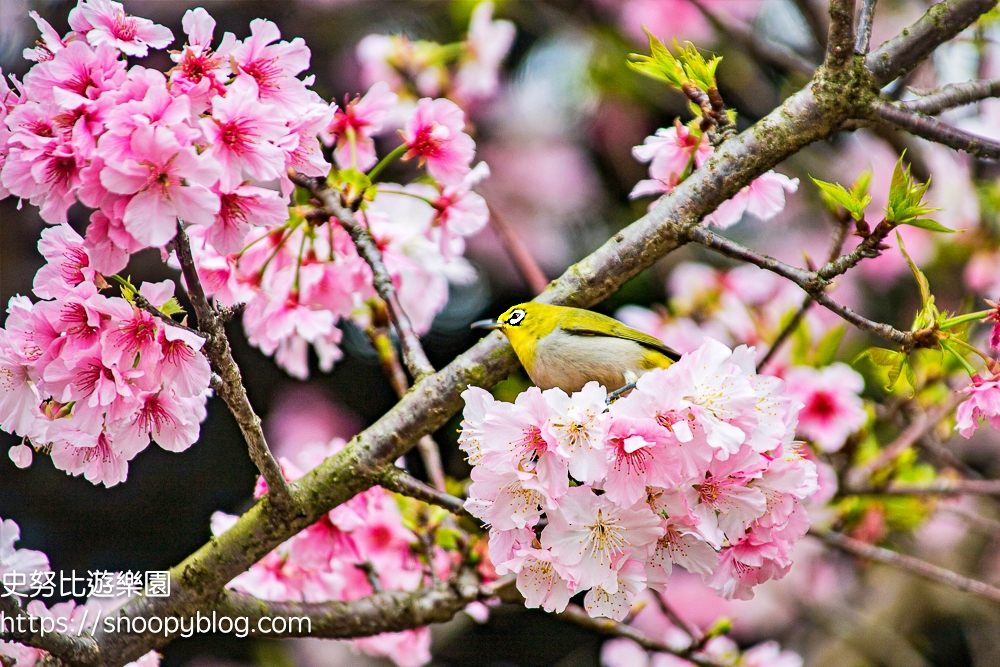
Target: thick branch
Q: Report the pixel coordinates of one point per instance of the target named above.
(387, 611)
(606, 626)
(840, 39)
(864, 31)
(810, 281)
(909, 563)
(909, 48)
(938, 131)
(413, 352)
(954, 95)
(18, 627)
(231, 389)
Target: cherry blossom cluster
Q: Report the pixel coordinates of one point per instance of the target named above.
(695, 467)
(748, 306)
(89, 378)
(673, 153)
(465, 72)
(339, 557)
(210, 143)
(70, 615)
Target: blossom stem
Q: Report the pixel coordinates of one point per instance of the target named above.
(971, 348)
(386, 161)
(605, 626)
(913, 565)
(962, 319)
(519, 253)
(232, 390)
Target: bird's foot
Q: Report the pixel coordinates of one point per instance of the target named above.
(618, 393)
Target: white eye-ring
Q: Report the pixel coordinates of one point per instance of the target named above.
(516, 317)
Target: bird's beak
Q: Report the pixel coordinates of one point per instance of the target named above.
(485, 324)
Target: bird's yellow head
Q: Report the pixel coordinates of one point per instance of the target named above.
(524, 324)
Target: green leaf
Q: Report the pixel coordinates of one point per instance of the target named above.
(911, 376)
(697, 68)
(827, 347)
(895, 371)
(660, 64)
(926, 299)
(854, 201)
(862, 185)
(889, 360)
(906, 197)
(932, 225)
(172, 307)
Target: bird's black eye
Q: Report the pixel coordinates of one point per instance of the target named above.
(516, 317)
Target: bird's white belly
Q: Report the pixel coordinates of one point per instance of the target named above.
(569, 361)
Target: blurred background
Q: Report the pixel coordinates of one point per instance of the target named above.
(558, 137)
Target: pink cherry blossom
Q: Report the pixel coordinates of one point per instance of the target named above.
(637, 459)
(577, 428)
(616, 603)
(833, 409)
(274, 67)
(240, 209)
(590, 535)
(724, 502)
(984, 401)
(763, 199)
(354, 126)
(167, 182)
(487, 45)
(543, 581)
(23, 561)
(105, 22)
(241, 135)
(434, 134)
(50, 44)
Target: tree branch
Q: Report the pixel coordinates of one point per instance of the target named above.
(910, 564)
(909, 48)
(519, 253)
(810, 281)
(937, 131)
(378, 332)
(231, 389)
(399, 481)
(387, 611)
(75, 650)
(814, 113)
(938, 487)
(779, 56)
(413, 353)
(924, 423)
(954, 95)
(840, 39)
(605, 626)
(864, 31)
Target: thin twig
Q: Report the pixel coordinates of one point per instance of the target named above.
(378, 333)
(864, 31)
(840, 39)
(922, 424)
(371, 575)
(691, 629)
(519, 253)
(976, 521)
(954, 95)
(401, 482)
(937, 131)
(839, 235)
(937, 487)
(945, 457)
(231, 389)
(910, 564)
(413, 353)
(810, 281)
(815, 19)
(779, 56)
(910, 47)
(608, 627)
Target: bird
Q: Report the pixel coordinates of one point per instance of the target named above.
(565, 347)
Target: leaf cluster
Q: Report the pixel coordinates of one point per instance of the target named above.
(687, 68)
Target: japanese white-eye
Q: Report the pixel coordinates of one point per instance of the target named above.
(568, 347)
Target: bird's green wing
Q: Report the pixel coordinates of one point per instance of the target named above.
(595, 324)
